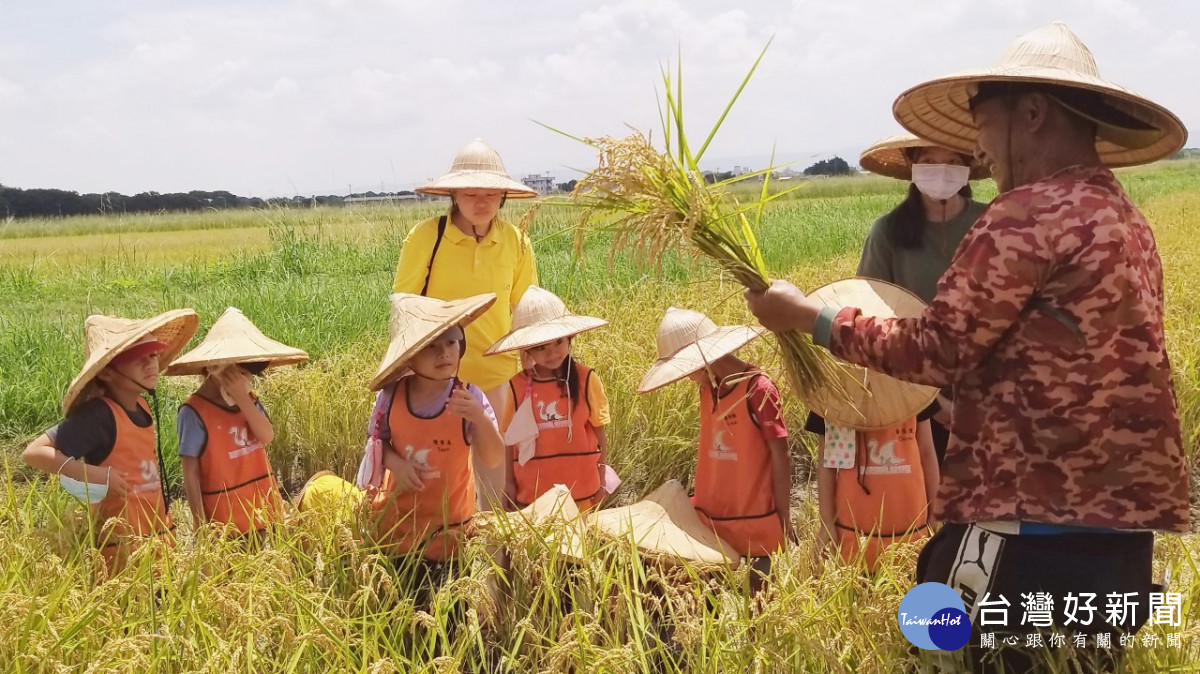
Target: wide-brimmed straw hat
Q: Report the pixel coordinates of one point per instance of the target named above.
(540, 318)
(107, 336)
(872, 400)
(689, 341)
(557, 510)
(477, 166)
(1131, 129)
(417, 321)
(664, 524)
(234, 339)
(889, 157)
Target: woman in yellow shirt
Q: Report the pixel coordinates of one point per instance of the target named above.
(470, 251)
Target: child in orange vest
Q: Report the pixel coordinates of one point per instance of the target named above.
(427, 430)
(224, 429)
(874, 488)
(105, 451)
(555, 425)
(743, 472)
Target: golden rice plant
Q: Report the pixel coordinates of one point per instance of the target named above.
(653, 201)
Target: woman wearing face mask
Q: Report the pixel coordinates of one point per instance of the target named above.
(468, 251)
(912, 244)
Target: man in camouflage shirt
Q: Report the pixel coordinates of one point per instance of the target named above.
(1065, 450)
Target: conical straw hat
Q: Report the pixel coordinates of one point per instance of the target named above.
(665, 524)
(688, 341)
(939, 110)
(107, 336)
(477, 166)
(883, 401)
(556, 508)
(234, 339)
(553, 518)
(540, 318)
(888, 158)
(417, 321)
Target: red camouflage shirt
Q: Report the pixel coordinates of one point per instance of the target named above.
(1048, 324)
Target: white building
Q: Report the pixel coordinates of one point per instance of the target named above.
(542, 184)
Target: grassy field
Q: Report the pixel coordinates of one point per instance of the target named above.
(316, 600)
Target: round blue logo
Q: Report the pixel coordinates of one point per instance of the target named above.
(933, 617)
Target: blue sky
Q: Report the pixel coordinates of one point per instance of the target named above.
(274, 97)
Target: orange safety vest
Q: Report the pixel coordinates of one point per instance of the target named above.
(567, 449)
(236, 484)
(429, 521)
(144, 510)
(884, 494)
(734, 494)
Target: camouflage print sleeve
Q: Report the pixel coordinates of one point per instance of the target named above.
(1001, 263)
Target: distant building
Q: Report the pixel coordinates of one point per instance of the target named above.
(541, 184)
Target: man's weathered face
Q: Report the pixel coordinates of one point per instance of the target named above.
(992, 147)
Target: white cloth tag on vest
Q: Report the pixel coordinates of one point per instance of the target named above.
(841, 447)
(522, 432)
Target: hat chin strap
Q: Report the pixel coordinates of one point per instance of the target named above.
(135, 382)
(162, 467)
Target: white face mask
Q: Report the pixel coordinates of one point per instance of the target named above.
(940, 181)
(88, 493)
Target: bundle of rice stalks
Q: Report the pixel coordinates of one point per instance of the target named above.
(654, 201)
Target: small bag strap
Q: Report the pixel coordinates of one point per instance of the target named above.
(436, 244)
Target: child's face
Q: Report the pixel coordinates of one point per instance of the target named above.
(701, 377)
(439, 360)
(141, 372)
(551, 356)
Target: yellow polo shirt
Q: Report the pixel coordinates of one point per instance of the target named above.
(502, 263)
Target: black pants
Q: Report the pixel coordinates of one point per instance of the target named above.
(977, 562)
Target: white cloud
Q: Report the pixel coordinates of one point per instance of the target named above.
(312, 95)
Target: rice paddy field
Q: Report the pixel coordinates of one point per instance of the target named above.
(313, 599)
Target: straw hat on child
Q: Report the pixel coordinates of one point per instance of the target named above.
(477, 166)
(873, 400)
(890, 157)
(555, 510)
(234, 339)
(665, 524)
(540, 318)
(1130, 129)
(107, 336)
(689, 341)
(417, 321)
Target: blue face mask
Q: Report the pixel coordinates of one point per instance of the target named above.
(88, 493)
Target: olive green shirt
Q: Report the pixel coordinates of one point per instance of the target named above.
(916, 269)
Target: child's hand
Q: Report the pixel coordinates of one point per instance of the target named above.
(117, 486)
(824, 543)
(789, 532)
(404, 472)
(235, 382)
(463, 404)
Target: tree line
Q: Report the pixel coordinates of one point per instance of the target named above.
(52, 203)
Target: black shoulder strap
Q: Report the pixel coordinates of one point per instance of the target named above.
(436, 244)
(587, 386)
